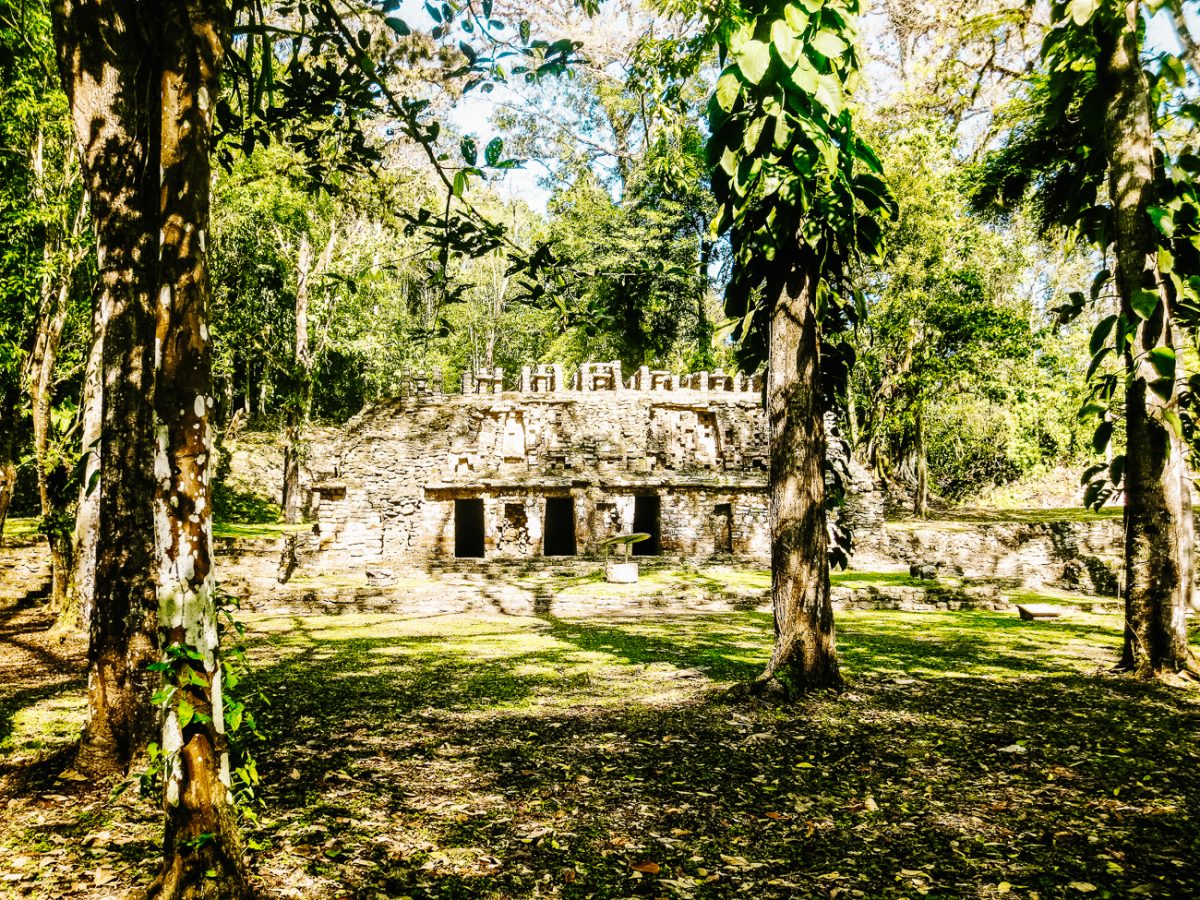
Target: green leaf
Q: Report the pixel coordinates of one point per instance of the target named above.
(828, 44)
(492, 151)
(796, 18)
(1102, 436)
(460, 184)
(397, 25)
(186, 713)
(804, 76)
(728, 89)
(1173, 422)
(1163, 360)
(1163, 219)
(729, 161)
(753, 132)
(784, 41)
(1101, 333)
(469, 150)
(752, 61)
(1144, 302)
(1082, 10)
(524, 30)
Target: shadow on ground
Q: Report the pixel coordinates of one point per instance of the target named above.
(972, 756)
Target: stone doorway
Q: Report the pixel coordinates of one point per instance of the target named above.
(722, 526)
(558, 532)
(647, 511)
(468, 529)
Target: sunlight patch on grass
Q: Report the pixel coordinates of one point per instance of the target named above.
(49, 723)
(20, 529)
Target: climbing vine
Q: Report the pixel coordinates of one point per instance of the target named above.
(792, 179)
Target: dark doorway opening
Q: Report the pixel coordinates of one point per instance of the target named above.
(468, 529)
(646, 512)
(723, 528)
(558, 533)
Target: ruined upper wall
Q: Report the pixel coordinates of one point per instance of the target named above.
(657, 428)
(589, 377)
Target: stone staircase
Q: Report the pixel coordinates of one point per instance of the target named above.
(24, 571)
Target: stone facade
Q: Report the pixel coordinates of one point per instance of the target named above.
(551, 469)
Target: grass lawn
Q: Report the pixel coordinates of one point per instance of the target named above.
(972, 755)
(20, 529)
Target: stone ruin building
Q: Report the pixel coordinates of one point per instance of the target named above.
(549, 470)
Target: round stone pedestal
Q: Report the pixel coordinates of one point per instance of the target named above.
(621, 572)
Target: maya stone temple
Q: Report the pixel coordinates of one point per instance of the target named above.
(550, 470)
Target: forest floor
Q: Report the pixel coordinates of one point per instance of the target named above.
(971, 755)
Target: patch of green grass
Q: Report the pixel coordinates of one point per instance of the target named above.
(876, 579)
(1028, 516)
(20, 528)
(257, 531)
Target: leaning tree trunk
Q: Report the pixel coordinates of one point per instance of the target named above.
(1159, 526)
(107, 63)
(805, 653)
(202, 852)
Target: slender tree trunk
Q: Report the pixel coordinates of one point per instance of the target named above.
(1159, 526)
(202, 853)
(921, 497)
(299, 408)
(704, 330)
(85, 537)
(8, 456)
(805, 654)
(107, 63)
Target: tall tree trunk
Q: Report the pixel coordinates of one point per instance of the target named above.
(108, 63)
(201, 849)
(1158, 521)
(805, 653)
(921, 496)
(39, 384)
(8, 455)
(85, 537)
(299, 408)
(704, 330)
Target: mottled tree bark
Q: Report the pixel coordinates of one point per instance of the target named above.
(85, 537)
(107, 59)
(1158, 515)
(804, 656)
(202, 853)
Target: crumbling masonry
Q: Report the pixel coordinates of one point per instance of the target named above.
(552, 469)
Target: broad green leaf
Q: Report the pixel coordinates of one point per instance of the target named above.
(728, 89)
(753, 132)
(1144, 302)
(397, 25)
(752, 61)
(804, 76)
(1163, 360)
(784, 41)
(1082, 10)
(469, 150)
(186, 713)
(729, 161)
(460, 184)
(795, 17)
(1102, 436)
(1173, 422)
(828, 44)
(1101, 333)
(492, 151)
(1163, 219)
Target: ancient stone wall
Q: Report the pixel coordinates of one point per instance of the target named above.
(681, 457)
